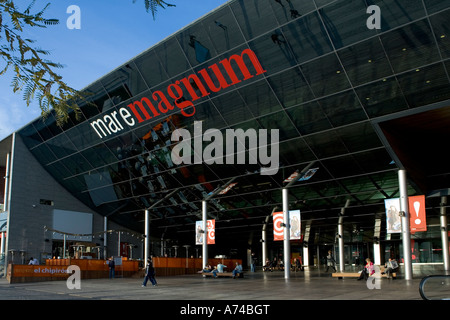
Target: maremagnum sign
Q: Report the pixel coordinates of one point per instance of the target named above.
(197, 85)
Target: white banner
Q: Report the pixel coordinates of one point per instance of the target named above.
(393, 219)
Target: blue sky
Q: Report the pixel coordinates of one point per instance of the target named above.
(112, 32)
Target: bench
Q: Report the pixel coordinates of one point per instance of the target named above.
(341, 275)
(223, 274)
(384, 275)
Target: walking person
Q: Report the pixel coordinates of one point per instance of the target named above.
(112, 268)
(330, 261)
(253, 262)
(149, 274)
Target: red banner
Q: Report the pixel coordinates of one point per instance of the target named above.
(417, 215)
(278, 230)
(211, 226)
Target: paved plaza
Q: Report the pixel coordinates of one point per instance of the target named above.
(311, 284)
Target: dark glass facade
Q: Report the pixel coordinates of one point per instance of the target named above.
(329, 84)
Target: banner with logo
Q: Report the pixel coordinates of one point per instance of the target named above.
(211, 237)
(294, 225)
(417, 214)
(211, 232)
(393, 219)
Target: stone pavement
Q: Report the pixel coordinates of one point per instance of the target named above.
(262, 295)
(312, 284)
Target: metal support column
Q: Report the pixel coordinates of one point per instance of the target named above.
(264, 240)
(7, 174)
(286, 221)
(305, 259)
(376, 242)
(147, 236)
(341, 236)
(147, 226)
(444, 234)
(205, 218)
(286, 239)
(2, 247)
(105, 237)
(205, 233)
(406, 233)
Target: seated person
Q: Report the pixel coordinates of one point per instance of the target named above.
(218, 269)
(280, 265)
(207, 268)
(367, 271)
(267, 265)
(297, 265)
(237, 269)
(391, 266)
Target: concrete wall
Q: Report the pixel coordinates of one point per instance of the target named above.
(30, 182)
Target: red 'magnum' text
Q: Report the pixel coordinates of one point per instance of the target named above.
(197, 85)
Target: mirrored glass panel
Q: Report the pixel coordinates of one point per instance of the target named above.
(291, 87)
(309, 118)
(382, 97)
(343, 108)
(396, 13)
(307, 38)
(223, 30)
(358, 137)
(151, 68)
(172, 58)
(425, 85)
(259, 98)
(346, 22)
(254, 17)
(411, 46)
(436, 5)
(273, 48)
(326, 144)
(325, 75)
(365, 61)
(441, 29)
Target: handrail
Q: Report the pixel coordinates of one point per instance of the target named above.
(426, 279)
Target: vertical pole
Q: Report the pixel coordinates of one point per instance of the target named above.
(105, 237)
(64, 247)
(3, 239)
(147, 236)
(444, 234)
(264, 247)
(305, 245)
(205, 233)
(406, 233)
(341, 236)
(264, 238)
(286, 240)
(305, 259)
(118, 244)
(7, 173)
(341, 245)
(376, 242)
